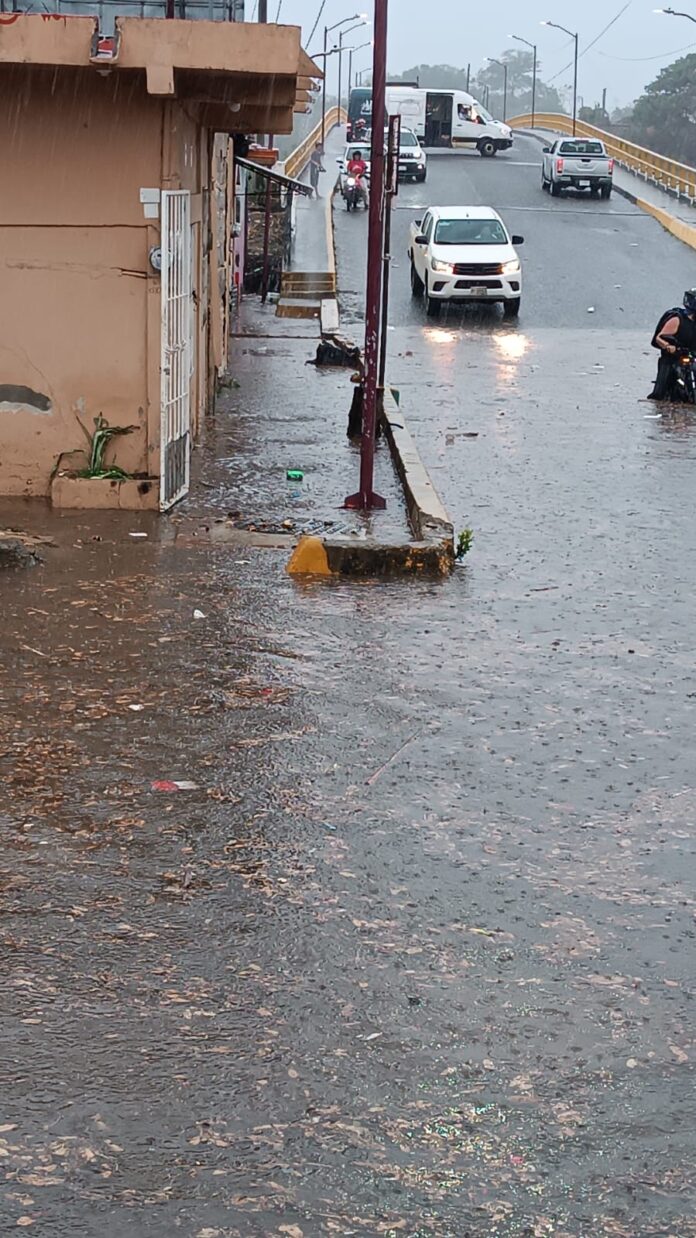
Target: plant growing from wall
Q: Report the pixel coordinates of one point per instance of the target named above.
(98, 442)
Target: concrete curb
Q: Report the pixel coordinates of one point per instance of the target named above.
(677, 227)
(330, 315)
(430, 553)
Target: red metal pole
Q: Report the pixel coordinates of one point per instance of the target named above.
(366, 497)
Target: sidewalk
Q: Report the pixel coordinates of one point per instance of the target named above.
(313, 246)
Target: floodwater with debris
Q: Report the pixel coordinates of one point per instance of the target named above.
(353, 908)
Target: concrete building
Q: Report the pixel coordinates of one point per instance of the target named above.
(116, 226)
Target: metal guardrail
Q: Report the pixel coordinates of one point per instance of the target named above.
(298, 159)
(676, 178)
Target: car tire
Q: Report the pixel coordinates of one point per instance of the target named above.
(606, 192)
(432, 305)
(416, 282)
(511, 309)
(544, 183)
(422, 179)
(594, 191)
(487, 148)
(555, 189)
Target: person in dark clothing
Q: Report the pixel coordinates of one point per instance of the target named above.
(675, 332)
(315, 167)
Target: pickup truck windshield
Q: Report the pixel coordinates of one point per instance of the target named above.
(408, 139)
(470, 232)
(581, 148)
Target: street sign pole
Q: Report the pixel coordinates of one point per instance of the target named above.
(366, 499)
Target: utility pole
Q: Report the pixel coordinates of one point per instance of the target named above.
(604, 101)
(391, 190)
(340, 68)
(323, 90)
(263, 10)
(468, 77)
(365, 499)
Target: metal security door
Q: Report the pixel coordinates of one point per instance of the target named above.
(177, 346)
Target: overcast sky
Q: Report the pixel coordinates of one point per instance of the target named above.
(627, 57)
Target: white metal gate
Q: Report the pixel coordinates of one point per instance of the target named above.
(177, 346)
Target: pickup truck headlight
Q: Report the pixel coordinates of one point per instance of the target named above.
(511, 267)
(445, 267)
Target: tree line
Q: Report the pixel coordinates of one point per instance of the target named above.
(662, 119)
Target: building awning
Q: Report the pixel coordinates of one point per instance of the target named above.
(287, 181)
(243, 77)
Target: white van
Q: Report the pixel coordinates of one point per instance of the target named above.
(448, 118)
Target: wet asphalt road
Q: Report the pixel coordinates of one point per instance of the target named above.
(414, 956)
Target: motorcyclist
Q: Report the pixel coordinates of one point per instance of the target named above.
(675, 332)
(357, 168)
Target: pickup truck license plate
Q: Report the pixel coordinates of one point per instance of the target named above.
(478, 289)
(583, 184)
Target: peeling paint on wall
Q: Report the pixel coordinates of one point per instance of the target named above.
(15, 398)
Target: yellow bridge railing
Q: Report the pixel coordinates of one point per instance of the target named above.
(297, 161)
(679, 178)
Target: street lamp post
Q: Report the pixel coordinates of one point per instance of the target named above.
(492, 60)
(351, 50)
(358, 17)
(534, 71)
(575, 66)
(675, 13)
(341, 50)
(365, 498)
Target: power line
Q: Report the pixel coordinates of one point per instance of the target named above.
(322, 6)
(635, 59)
(592, 44)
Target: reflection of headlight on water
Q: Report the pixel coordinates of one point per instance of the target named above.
(511, 347)
(435, 335)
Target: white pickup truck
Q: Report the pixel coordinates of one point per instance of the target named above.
(577, 163)
(464, 253)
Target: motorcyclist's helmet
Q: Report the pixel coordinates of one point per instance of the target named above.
(690, 300)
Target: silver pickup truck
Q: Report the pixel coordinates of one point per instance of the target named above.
(577, 163)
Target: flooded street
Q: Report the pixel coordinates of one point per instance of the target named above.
(365, 909)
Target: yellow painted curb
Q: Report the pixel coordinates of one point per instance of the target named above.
(683, 231)
(309, 558)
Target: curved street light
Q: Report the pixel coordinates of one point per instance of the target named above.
(341, 50)
(675, 13)
(533, 46)
(360, 18)
(492, 60)
(573, 35)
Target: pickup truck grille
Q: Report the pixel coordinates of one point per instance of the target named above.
(478, 268)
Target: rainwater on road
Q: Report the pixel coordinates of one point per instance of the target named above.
(410, 951)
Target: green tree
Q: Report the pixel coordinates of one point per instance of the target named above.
(520, 67)
(433, 76)
(595, 116)
(664, 118)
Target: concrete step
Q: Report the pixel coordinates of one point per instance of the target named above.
(297, 307)
(297, 283)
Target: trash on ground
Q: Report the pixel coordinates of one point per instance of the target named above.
(590, 309)
(136, 536)
(295, 475)
(174, 784)
(136, 709)
(198, 614)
